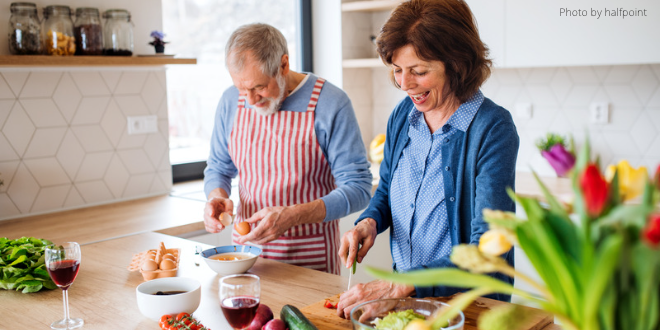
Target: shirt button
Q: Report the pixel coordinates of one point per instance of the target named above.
(412, 206)
(446, 140)
(451, 199)
(446, 168)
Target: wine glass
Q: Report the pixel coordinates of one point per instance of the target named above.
(63, 264)
(239, 299)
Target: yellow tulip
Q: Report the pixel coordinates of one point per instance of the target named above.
(631, 180)
(494, 242)
(376, 148)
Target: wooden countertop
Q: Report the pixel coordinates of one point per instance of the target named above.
(103, 294)
(167, 214)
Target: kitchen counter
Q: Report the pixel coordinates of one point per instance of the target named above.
(103, 294)
(166, 214)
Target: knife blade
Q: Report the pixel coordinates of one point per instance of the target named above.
(352, 271)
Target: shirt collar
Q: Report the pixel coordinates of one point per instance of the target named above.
(460, 120)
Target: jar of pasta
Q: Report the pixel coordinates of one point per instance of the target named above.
(24, 29)
(117, 33)
(88, 32)
(57, 31)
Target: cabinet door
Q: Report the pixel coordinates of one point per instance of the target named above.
(569, 32)
(490, 20)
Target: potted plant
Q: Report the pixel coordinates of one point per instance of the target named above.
(598, 258)
(158, 42)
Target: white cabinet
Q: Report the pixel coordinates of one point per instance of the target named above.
(570, 33)
(489, 15)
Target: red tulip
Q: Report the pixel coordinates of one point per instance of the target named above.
(652, 230)
(595, 190)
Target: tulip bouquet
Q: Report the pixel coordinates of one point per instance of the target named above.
(598, 259)
(553, 149)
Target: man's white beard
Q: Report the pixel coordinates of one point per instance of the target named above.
(273, 103)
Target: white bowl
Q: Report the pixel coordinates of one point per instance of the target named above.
(231, 267)
(154, 306)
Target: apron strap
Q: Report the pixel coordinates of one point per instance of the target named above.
(315, 94)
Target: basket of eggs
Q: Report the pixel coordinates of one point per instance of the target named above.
(156, 263)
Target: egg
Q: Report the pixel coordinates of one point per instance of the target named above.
(167, 264)
(169, 256)
(149, 265)
(226, 219)
(242, 228)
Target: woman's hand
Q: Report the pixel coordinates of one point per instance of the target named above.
(217, 203)
(363, 233)
(369, 291)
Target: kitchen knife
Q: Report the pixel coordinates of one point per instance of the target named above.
(350, 274)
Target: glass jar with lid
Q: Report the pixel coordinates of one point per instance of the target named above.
(88, 32)
(24, 29)
(117, 33)
(58, 31)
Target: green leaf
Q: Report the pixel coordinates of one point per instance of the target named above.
(601, 272)
(607, 309)
(532, 208)
(20, 259)
(646, 268)
(566, 233)
(555, 206)
(30, 286)
(446, 277)
(456, 305)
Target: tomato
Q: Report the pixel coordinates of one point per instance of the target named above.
(181, 316)
(165, 321)
(242, 228)
(194, 326)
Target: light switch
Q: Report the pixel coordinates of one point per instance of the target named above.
(599, 112)
(524, 110)
(142, 124)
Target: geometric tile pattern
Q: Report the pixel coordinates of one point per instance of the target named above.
(64, 142)
(560, 98)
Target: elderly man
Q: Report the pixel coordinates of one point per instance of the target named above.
(294, 142)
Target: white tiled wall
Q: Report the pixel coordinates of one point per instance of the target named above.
(560, 97)
(64, 141)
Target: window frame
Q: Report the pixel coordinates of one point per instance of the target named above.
(195, 170)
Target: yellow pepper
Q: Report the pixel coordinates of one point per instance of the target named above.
(631, 180)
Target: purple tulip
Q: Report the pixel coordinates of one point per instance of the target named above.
(560, 159)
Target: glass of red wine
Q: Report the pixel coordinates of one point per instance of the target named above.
(239, 299)
(63, 264)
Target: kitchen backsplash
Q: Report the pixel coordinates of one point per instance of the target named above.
(560, 98)
(64, 142)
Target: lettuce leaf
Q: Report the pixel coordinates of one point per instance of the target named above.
(22, 266)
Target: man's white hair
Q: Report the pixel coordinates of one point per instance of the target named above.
(265, 42)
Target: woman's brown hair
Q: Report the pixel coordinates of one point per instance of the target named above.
(439, 30)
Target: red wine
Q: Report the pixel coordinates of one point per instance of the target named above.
(240, 310)
(64, 272)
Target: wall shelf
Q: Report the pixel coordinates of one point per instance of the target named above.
(43, 60)
(374, 5)
(363, 63)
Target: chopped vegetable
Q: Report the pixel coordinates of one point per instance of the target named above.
(396, 320)
(22, 264)
(329, 304)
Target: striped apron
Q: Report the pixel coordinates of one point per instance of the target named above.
(280, 163)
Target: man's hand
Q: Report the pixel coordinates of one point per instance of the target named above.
(274, 221)
(363, 233)
(362, 292)
(217, 203)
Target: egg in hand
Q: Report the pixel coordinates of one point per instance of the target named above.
(242, 228)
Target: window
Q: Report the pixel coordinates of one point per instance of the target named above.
(200, 29)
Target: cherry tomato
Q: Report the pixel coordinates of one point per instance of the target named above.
(181, 316)
(242, 228)
(194, 326)
(165, 321)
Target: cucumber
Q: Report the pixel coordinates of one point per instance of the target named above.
(295, 319)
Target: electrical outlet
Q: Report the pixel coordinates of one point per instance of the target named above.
(599, 112)
(142, 124)
(524, 110)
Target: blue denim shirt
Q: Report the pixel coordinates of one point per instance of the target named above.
(480, 164)
(419, 211)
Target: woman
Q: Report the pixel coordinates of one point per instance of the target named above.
(449, 152)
